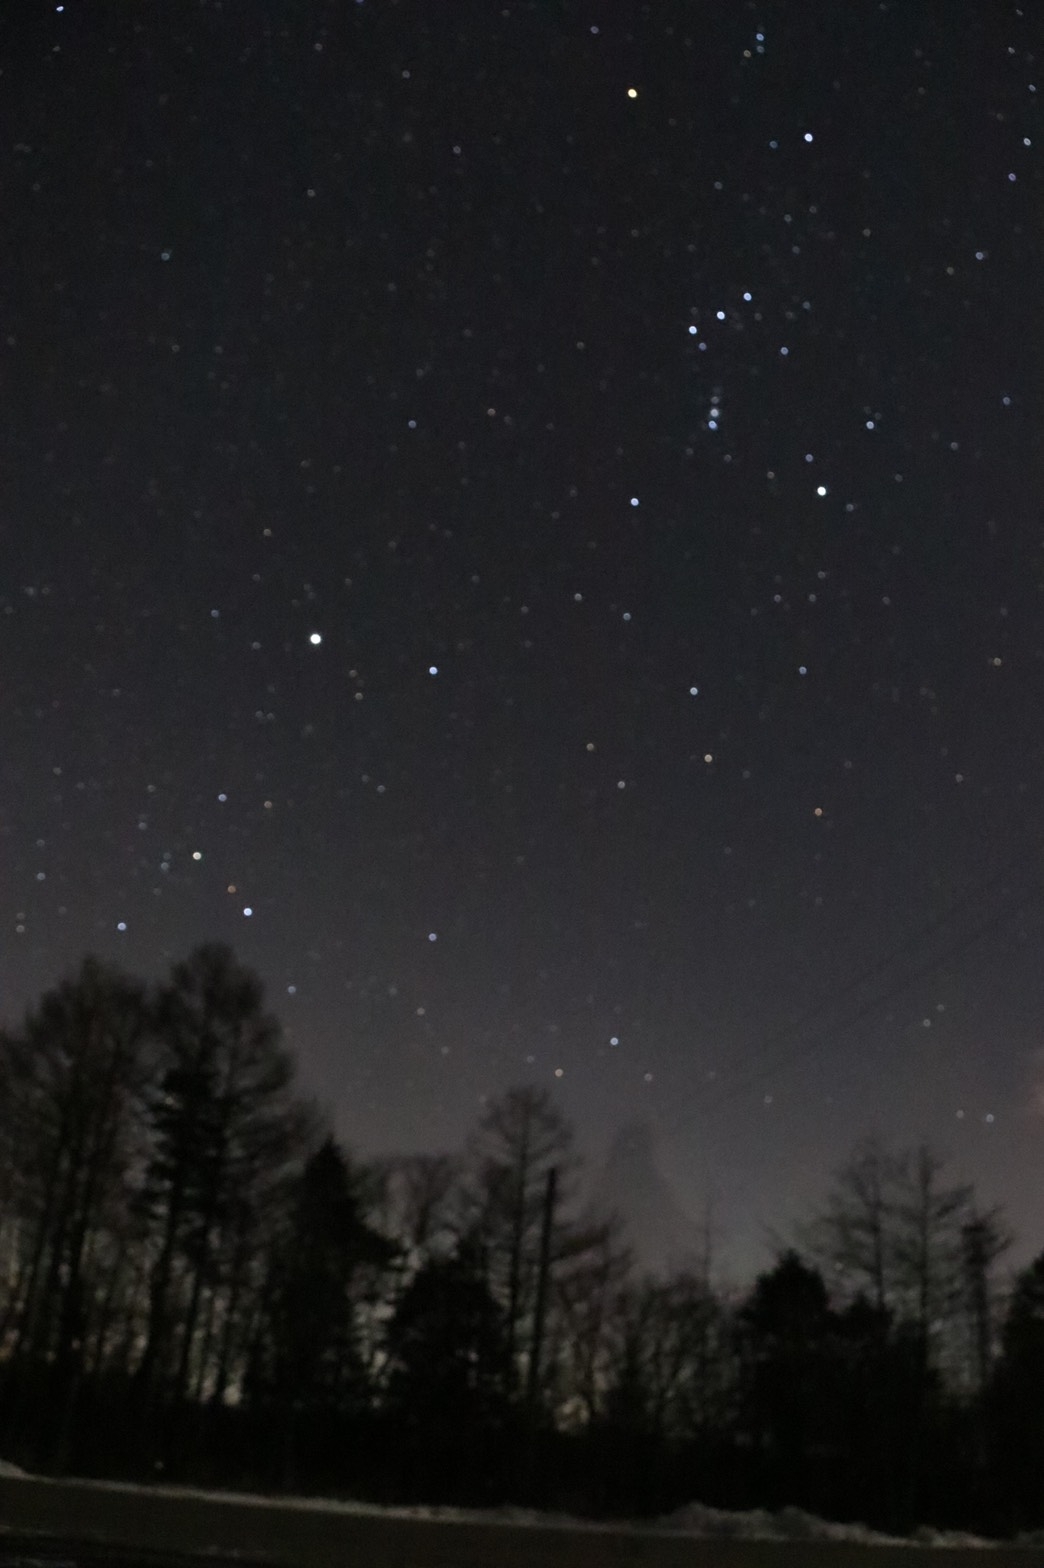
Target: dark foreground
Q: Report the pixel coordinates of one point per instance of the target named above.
(45, 1551)
(83, 1524)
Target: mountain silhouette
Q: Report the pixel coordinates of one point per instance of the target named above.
(631, 1185)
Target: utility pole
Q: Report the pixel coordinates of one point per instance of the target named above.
(540, 1306)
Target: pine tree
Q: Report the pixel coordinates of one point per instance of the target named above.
(448, 1379)
(786, 1330)
(225, 1127)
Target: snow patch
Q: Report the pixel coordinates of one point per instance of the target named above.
(696, 1520)
(925, 1535)
(794, 1524)
(758, 1524)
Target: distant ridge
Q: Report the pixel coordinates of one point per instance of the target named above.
(661, 1234)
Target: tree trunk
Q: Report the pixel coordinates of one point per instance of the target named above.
(228, 1330)
(515, 1263)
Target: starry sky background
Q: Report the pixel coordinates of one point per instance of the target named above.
(640, 404)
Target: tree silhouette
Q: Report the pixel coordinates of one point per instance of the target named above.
(449, 1362)
(520, 1140)
(72, 1081)
(1017, 1398)
(929, 1219)
(786, 1328)
(853, 1235)
(305, 1358)
(225, 1128)
(192, 1273)
(984, 1239)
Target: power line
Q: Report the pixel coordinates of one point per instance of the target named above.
(807, 1048)
(971, 895)
(900, 950)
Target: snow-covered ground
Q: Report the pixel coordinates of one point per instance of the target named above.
(697, 1520)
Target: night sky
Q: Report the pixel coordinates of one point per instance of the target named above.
(524, 518)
